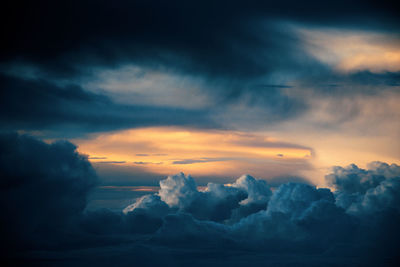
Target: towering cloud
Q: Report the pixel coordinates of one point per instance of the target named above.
(296, 217)
(367, 191)
(277, 89)
(44, 189)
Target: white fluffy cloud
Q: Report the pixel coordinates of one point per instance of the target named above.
(294, 216)
(246, 214)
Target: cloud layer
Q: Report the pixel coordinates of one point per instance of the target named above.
(47, 185)
(91, 67)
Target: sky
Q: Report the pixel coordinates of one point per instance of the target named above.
(129, 80)
(167, 105)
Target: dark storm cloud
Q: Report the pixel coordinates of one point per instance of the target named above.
(42, 105)
(228, 44)
(223, 38)
(43, 190)
(46, 185)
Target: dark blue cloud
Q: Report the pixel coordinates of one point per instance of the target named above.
(295, 219)
(353, 179)
(71, 111)
(215, 38)
(43, 190)
(47, 185)
(230, 45)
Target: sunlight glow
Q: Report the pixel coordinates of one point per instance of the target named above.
(171, 150)
(351, 51)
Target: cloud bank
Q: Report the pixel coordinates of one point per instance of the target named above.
(43, 191)
(43, 197)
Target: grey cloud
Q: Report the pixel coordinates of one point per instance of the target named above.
(146, 162)
(367, 191)
(111, 162)
(295, 220)
(243, 53)
(353, 179)
(225, 38)
(201, 160)
(295, 217)
(72, 111)
(43, 184)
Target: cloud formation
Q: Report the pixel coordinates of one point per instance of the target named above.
(157, 64)
(295, 217)
(150, 88)
(176, 33)
(366, 191)
(47, 184)
(41, 105)
(352, 51)
(43, 190)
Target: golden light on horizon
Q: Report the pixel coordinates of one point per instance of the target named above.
(198, 152)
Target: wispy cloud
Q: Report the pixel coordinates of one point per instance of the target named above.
(353, 51)
(202, 160)
(146, 162)
(97, 157)
(112, 162)
(192, 149)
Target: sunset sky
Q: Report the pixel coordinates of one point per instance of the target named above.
(161, 132)
(263, 95)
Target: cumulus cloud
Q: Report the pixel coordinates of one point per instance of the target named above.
(178, 190)
(43, 189)
(367, 191)
(47, 185)
(217, 202)
(294, 199)
(258, 191)
(352, 179)
(151, 203)
(296, 217)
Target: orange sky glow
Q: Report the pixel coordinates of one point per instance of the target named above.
(168, 150)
